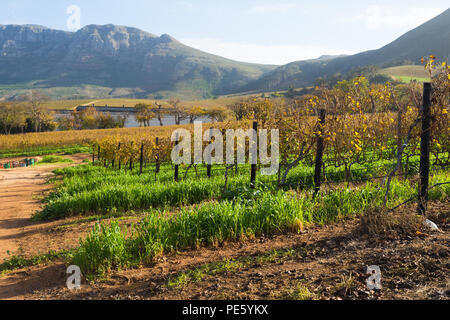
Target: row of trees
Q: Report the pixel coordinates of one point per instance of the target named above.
(175, 108)
(90, 119)
(32, 116)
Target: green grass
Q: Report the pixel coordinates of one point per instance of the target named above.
(68, 150)
(54, 159)
(17, 261)
(407, 73)
(232, 220)
(128, 193)
(408, 79)
(94, 190)
(300, 292)
(106, 249)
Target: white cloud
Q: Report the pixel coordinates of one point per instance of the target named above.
(255, 53)
(184, 5)
(376, 17)
(274, 8)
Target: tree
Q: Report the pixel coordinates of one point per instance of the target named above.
(144, 114)
(291, 93)
(240, 109)
(90, 119)
(160, 112)
(37, 113)
(218, 114)
(11, 116)
(178, 111)
(194, 113)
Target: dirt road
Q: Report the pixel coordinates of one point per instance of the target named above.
(20, 189)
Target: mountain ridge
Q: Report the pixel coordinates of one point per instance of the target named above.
(116, 56)
(430, 38)
(128, 61)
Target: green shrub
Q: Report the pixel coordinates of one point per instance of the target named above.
(54, 159)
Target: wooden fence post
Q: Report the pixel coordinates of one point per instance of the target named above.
(253, 166)
(141, 162)
(131, 158)
(120, 163)
(98, 154)
(425, 149)
(93, 154)
(319, 152)
(209, 166)
(399, 138)
(176, 166)
(157, 155)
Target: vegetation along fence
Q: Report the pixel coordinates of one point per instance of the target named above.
(348, 134)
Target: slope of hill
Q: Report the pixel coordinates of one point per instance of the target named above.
(407, 73)
(115, 57)
(432, 37)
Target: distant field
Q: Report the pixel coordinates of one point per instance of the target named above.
(70, 104)
(55, 93)
(65, 104)
(407, 73)
(119, 102)
(406, 79)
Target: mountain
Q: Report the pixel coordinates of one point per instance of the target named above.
(116, 57)
(117, 61)
(431, 38)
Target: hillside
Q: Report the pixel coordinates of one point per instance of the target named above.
(432, 37)
(407, 73)
(114, 61)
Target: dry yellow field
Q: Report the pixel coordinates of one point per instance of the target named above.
(30, 141)
(71, 104)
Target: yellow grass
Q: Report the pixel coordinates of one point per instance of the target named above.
(29, 141)
(71, 104)
(64, 104)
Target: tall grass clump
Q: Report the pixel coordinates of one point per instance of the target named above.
(54, 159)
(132, 196)
(103, 249)
(215, 223)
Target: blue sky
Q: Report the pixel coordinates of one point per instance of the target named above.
(263, 31)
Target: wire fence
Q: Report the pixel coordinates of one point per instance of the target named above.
(402, 165)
